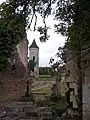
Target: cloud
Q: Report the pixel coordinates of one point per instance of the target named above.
(49, 48)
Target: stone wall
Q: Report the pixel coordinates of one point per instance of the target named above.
(22, 64)
(22, 49)
(72, 78)
(11, 85)
(19, 61)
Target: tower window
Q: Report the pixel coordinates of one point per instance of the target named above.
(33, 58)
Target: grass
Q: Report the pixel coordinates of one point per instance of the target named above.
(46, 90)
(61, 104)
(49, 78)
(46, 78)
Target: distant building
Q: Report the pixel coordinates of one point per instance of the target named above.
(34, 55)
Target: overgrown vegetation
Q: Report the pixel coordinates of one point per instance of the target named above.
(60, 104)
(12, 30)
(76, 26)
(31, 65)
(74, 23)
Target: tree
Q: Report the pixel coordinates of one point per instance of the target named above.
(15, 17)
(57, 67)
(31, 65)
(52, 72)
(12, 30)
(46, 71)
(74, 16)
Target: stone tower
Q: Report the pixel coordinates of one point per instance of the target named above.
(34, 55)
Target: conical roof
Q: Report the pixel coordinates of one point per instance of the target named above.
(34, 45)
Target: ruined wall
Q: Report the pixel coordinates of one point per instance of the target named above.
(22, 49)
(12, 87)
(72, 78)
(19, 60)
(22, 64)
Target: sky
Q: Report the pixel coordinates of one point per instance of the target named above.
(49, 48)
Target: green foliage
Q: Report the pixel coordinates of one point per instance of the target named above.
(61, 103)
(31, 65)
(14, 18)
(12, 30)
(52, 72)
(56, 66)
(46, 71)
(43, 32)
(64, 13)
(75, 24)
